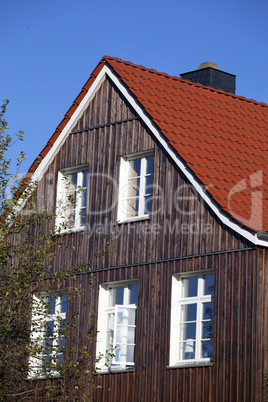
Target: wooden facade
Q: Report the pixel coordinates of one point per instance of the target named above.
(182, 235)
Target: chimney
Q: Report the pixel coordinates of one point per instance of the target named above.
(209, 74)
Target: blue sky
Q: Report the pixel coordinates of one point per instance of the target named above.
(49, 48)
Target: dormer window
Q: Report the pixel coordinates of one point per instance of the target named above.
(135, 187)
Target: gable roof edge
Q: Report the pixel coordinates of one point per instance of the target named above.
(40, 170)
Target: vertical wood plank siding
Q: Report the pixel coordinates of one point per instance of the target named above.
(180, 226)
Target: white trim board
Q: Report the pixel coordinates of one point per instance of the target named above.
(44, 164)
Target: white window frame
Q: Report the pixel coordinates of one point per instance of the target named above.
(38, 335)
(123, 187)
(106, 360)
(61, 216)
(177, 301)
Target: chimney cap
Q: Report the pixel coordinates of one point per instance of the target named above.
(208, 64)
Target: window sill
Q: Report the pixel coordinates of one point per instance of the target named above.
(190, 365)
(43, 378)
(115, 371)
(71, 231)
(135, 219)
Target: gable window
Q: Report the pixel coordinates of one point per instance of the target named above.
(192, 319)
(48, 334)
(72, 199)
(135, 187)
(117, 326)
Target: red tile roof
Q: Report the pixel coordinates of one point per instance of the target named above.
(221, 137)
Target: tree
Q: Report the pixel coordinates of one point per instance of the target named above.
(36, 341)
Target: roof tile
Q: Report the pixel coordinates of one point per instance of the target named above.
(220, 136)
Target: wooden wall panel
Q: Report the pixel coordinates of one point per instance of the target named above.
(233, 375)
(238, 332)
(183, 235)
(180, 224)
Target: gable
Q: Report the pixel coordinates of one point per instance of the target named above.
(180, 224)
(204, 163)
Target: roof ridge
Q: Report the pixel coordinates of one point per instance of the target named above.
(196, 84)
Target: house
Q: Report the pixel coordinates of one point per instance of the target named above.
(176, 173)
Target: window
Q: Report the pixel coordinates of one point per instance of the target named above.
(135, 190)
(48, 337)
(192, 319)
(72, 199)
(117, 326)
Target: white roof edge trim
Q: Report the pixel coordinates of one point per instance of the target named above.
(249, 236)
(44, 164)
(260, 242)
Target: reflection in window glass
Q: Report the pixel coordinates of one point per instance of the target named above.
(136, 183)
(121, 324)
(192, 324)
(49, 320)
(72, 199)
(189, 286)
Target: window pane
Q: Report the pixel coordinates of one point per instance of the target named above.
(62, 342)
(111, 296)
(133, 293)
(148, 205)
(61, 358)
(208, 311)
(131, 335)
(134, 168)
(149, 184)
(110, 331)
(150, 163)
(207, 329)
(48, 345)
(133, 207)
(83, 217)
(117, 353)
(209, 284)
(120, 317)
(72, 178)
(207, 349)
(189, 312)
(130, 353)
(49, 332)
(124, 353)
(64, 302)
(47, 361)
(125, 335)
(110, 324)
(119, 294)
(71, 218)
(110, 339)
(126, 316)
(189, 286)
(188, 331)
(85, 178)
(52, 304)
(188, 349)
(84, 198)
(134, 187)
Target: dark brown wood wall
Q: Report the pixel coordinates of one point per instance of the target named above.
(180, 224)
(184, 230)
(237, 370)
